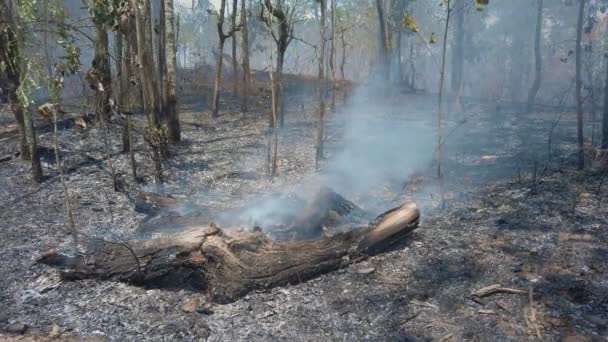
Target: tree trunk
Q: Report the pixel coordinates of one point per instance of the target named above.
(399, 57)
(332, 56)
(537, 58)
(215, 102)
(458, 57)
(235, 67)
(13, 63)
(440, 98)
(146, 74)
(245, 57)
(217, 83)
(173, 131)
(162, 60)
(343, 61)
(321, 87)
(99, 76)
(605, 116)
(383, 49)
(227, 266)
(579, 84)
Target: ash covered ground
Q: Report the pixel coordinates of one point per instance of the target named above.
(516, 213)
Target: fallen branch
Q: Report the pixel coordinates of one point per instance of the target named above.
(494, 289)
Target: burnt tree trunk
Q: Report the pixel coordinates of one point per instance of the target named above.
(245, 57)
(538, 61)
(171, 114)
(605, 116)
(321, 87)
(458, 57)
(383, 48)
(579, 84)
(228, 266)
(13, 64)
(235, 67)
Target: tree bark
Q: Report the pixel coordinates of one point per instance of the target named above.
(538, 62)
(235, 67)
(173, 126)
(162, 60)
(458, 56)
(579, 84)
(227, 266)
(99, 76)
(245, 57)
(146, 75)
(383, 49)
(332, 56)
(321, 87)
(605, 116)
(217, 83)
(13, 63)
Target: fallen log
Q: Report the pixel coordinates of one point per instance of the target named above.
(227, 266)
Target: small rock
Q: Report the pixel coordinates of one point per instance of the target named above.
(190, 305)
(55, 331)
(17, 328)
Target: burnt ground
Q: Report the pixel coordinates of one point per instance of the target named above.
(515, 214)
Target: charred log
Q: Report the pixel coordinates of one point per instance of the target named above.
(225, 266)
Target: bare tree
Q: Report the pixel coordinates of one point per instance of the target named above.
(146, 76)
(215, 102)
(245, 57)
(458, 55)
(605, 116)
(382, 40)
(321, 86)
(235, 66)
(440, 96)
(11, 58)
(579, 84)
(173, 126)
(332, 55)
(538, 59)
(99, 75)
(284, 17)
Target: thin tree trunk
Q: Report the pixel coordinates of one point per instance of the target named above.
(321, 87)
(123, 85)
(440, 97)
(383, 49)
(146, 74)
(332, 55)
(579, 85)
(215, 101)
(235, 67)
(162, 60)
(10, 46)
(605, 116)
(537, 58)
(343, 62)
(399, 57)
(245, 57)
(458, 56)
(174, 131)
(99, 75)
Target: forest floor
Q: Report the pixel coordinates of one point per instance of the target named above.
(516, 213)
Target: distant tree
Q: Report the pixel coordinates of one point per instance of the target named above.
(537, 57)
(384, 65)
(217, 83)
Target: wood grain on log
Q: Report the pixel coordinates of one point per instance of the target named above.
(228, 266)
